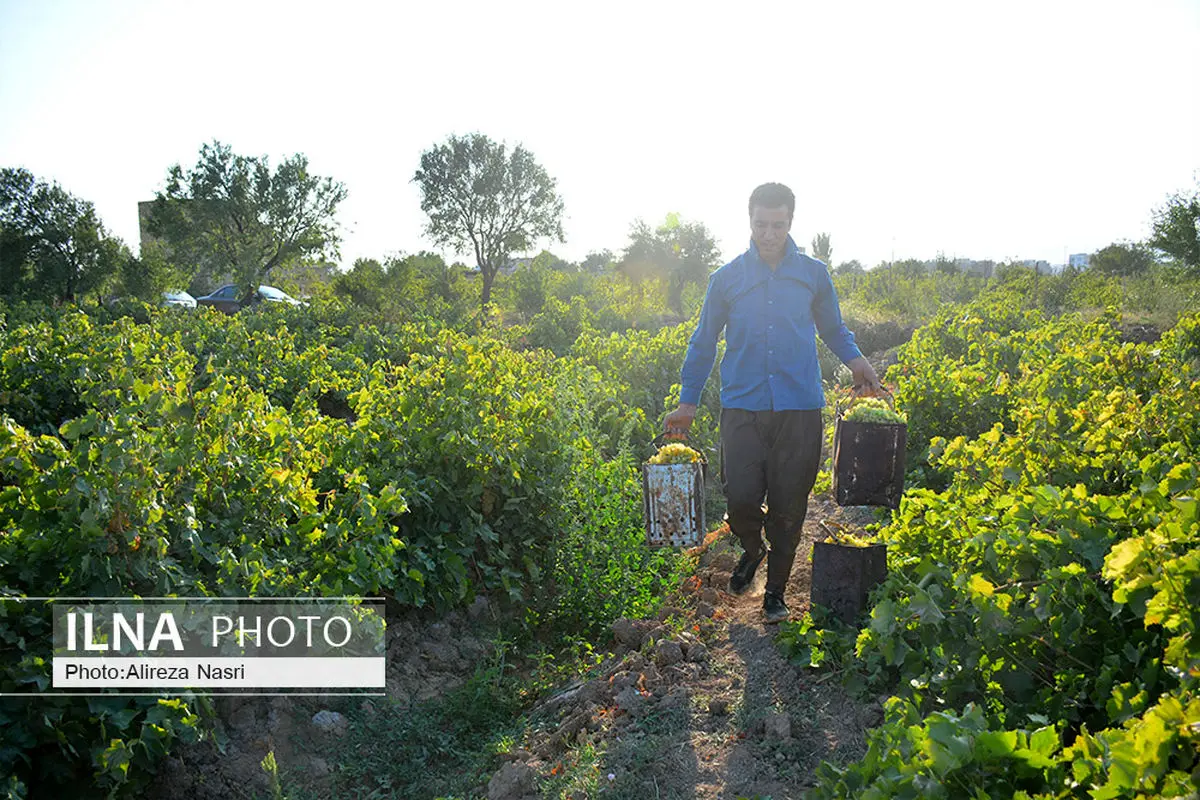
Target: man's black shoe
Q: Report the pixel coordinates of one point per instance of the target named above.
(743, 573)
(774, 609)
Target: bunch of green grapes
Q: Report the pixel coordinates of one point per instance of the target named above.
(873, 409)
(847, 539)
(675, 453)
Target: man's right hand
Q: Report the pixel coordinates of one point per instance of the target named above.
(679, 421)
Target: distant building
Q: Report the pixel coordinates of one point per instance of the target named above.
(1079, 260)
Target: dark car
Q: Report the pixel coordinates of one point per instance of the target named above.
(226, 298)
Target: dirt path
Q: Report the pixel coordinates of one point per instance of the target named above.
(700, 703)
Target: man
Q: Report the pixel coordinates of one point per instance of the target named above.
(770, 301)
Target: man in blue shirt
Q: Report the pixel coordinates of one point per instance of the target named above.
(771, 301)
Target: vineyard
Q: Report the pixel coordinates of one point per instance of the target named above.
(273, 456)
(1036, 633)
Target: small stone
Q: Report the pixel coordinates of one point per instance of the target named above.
(705, 609)
(710, 595)
(511, 781)
(668, 652)
(627, 634)
(697, 653)
(330, 722)
(630, 701)
(622, 680)
(318, 767)
(725, 561)
(635, 662)
(718, 706)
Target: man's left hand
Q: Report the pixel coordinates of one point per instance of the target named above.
(866, 382)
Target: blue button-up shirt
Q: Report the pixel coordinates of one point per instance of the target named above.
(770, 318)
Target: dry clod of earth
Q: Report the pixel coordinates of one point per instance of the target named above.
(668, 652)
(778, 726)
(513, 782)
(330, 722)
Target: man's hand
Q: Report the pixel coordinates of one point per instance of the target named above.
(866, 382)
(679, 421)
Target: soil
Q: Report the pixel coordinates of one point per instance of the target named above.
(697, 703)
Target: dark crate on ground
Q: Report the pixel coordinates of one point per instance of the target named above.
(673, 504)
(868, 463)
(843, 576)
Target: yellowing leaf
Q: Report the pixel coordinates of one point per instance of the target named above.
(980, 585)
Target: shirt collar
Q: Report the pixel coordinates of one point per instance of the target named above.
(791, 257)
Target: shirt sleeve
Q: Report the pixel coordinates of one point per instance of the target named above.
(702, 347)
(828, 316)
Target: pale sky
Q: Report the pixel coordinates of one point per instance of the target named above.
(1005, 130)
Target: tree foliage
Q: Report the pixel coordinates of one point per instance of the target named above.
(677, 251)
(482, 197)
(1121, 259)
(406, 286)
(1177, 229)
(822, 249)
(53, 246)
(231, 215)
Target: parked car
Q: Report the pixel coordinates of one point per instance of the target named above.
(180, 299)
(226, 298)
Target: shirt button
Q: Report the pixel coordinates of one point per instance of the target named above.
(770, 302)
(770, 352)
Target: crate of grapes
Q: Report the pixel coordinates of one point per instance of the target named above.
(868, 453)
(673, 496)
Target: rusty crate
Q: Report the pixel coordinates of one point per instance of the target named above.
(673, 504)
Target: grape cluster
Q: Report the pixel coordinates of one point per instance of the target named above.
(872, 409)
(675, 453)
(847, 539)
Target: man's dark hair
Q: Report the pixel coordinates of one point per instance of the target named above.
(773, 195)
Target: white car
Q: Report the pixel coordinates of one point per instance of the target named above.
(180, 299)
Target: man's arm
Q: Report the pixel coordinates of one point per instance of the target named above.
(827, 314)
(698, 363)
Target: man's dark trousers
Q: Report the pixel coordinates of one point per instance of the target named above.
(772, 455)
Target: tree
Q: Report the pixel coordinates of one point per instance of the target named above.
(822, 251)
(52, 244)
(1121, 259)
(851, 267)
(231, 215)
(480, 196)
(680, 252)
(597, 261)
(1176, 230)
(945, 266)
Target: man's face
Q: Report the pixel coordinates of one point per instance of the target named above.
(769, 229)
